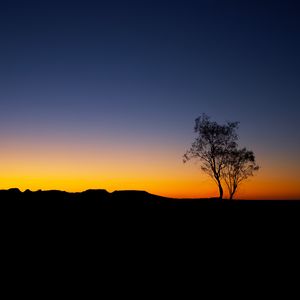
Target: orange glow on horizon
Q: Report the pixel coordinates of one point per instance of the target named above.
(74, 167)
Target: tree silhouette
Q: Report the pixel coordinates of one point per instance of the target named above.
(212, 146)
(240, 164)
(217, 149)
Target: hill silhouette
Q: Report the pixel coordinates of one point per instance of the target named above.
(125, 199)
(98, 213)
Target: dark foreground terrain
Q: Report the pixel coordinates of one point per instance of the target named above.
(140, 218)
(122, 199)
(101, 202)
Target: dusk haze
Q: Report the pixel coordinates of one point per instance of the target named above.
(105, 94)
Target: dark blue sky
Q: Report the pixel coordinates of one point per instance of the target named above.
(147, 69)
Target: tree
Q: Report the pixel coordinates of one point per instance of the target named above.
(240, 164)
(212, 146)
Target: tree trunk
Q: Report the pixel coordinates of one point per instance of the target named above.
(220, 190)
(232, 193)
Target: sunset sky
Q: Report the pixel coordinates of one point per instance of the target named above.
(104, 94)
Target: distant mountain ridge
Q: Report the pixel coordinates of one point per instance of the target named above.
(119, 197)
(137, 210)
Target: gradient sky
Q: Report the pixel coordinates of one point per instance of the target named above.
(103, 94)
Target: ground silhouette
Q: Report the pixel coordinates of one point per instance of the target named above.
(100, 199)
(120, 214)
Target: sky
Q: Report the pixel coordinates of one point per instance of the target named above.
(104, 94)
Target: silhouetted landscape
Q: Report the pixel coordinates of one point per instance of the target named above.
(138, 216)
(181, 98)
(147, 144)
(97, 201)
